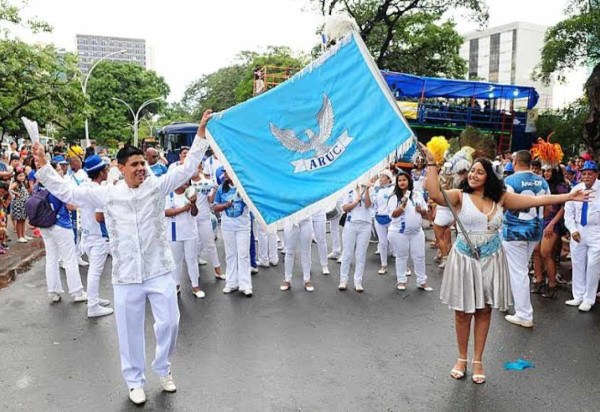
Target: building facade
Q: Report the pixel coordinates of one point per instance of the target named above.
(91, 48)
(507, 54)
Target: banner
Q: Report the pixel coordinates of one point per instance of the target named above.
(295, 149)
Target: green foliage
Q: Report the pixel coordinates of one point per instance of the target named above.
(10, 17)
(566, 124)
(484, 144)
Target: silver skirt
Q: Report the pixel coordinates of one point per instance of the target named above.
(471, 284)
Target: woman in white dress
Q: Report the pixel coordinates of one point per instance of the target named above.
(477, 281)
(381, 194)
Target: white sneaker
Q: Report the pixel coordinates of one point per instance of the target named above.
(585, 307)
(425, 288)
(54, 297)
(167, 383)
(383, 270)
(573, 302)
(325, 270)
(199, 294)
(408, 272)
(263, 264)
(137, 396)
(21, 240)
(343, 286)
(28, 238)
(401, 286)
(81, 262)
(103, 302)
(253, 271)
(227, 289)
(247, 292)
(309, 286)
(514, 319)
(285, 286)
(275, 263)
(202, 262)
(98, 311)
(333, 255)
(219, 276)
(80, 297)
(358, 287)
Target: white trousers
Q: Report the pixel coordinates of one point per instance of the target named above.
(518, 253)
(298, 236)
(404, 244)
(382, 235)
(267, 246)
(237, 257)
(206, 237)
(59, 245)
(97, 250)
(320, 232)
(185, 250)
(586, 265)
(355, 238)
(334, 231)
(130, 312)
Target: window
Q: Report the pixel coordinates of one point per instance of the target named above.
(473, 58)
(494, 57)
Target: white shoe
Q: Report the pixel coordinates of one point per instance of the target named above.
(263, 264)
(343, 286)
(285, 286)
(98, 311)
(442, 264)
(54, 297)
(383, 270)
(137, 396)
(21, 240)
(167, 383)
(202, 262)
(339, 260)
(28, 238)
(103, 302)
(81, 262)
(333, 255)
(220, 276)
(514, 319)
(377, 252)
(401, 286)
(247, 292)
(425, 288)
(573, 302)
(227, 289)
(585, 307)
(325, 270)
(408, 272)
(309, 286)
(274, 263)
(199, 294)
(253, 271)
(80, 297)
(358, 287)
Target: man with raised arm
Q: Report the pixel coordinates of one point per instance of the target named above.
(142, 261)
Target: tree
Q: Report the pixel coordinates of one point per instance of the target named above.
(409, 35)
(573, 42)
(111, 119)
(566, 124)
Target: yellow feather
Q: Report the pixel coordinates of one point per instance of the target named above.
(438, 145)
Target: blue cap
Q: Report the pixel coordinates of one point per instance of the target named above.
(59, 159)
(589, 165)
(509, 167)
(569, 169)
(93, 163)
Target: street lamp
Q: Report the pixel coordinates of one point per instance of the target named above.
(136, 115)
(84, 89)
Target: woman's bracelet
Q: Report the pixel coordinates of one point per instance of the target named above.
(431, 164)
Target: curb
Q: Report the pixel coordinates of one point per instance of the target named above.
(9, 275)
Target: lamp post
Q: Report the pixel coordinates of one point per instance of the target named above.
(84, 89)
(136, 115)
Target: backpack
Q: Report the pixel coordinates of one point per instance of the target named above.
(38, 209)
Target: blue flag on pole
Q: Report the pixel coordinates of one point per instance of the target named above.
(296, 148)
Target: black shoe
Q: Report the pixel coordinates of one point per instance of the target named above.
(549, 292)
(536, 287)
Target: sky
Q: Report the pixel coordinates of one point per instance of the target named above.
(192, 38)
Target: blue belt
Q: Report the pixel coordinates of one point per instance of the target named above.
(485, 249)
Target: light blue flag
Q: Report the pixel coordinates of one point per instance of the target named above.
(295, 149)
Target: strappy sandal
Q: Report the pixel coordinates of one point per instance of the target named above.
(457, 373)
(478, 378)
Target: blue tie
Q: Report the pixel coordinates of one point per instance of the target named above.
(584, 211)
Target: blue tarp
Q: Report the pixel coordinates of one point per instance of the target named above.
(407, 85)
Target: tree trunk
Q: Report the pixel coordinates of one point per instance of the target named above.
(591, 130)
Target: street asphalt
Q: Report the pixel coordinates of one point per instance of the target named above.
(382, 350)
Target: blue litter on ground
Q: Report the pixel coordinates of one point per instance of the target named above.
(519, 365)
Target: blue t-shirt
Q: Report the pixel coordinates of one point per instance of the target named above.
(525, 224)
(158, 169)
(63, 217)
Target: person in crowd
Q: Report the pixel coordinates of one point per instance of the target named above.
(406, 209)
(509, 170)
(553, 223)
(183, 152)
(181, 211)
(142, 260)
(156, 166)
(522, 232)
(319, 231)
(211, 165)
(583, 222)
(443, 220)
(235, 227)
(356, 235)
(297, 235)
(205, 192)
(5, 199)
(94, 239)
(267, 247)
(475, 281)
(536, 167)
(333, 217)
(571, 176)
(77, 175)
(381, 193)
(20, 194)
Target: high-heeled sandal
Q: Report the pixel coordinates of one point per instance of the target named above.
(457, 373)
(478, 378)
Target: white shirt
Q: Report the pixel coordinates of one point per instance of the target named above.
(380, 196)
(573, 210)
(237, 216)
(90, 228)
(360, 213)
(135, 217)
(182, 226)
(78, 177)
(204, 188)
(210, 166)
(410, 221)
(319, 216)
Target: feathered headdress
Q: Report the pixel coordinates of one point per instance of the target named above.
(548, 153)
(438, 146)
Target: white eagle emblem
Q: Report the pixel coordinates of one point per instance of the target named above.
(316, 142)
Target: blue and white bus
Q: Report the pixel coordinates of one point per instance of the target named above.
(172, 137)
